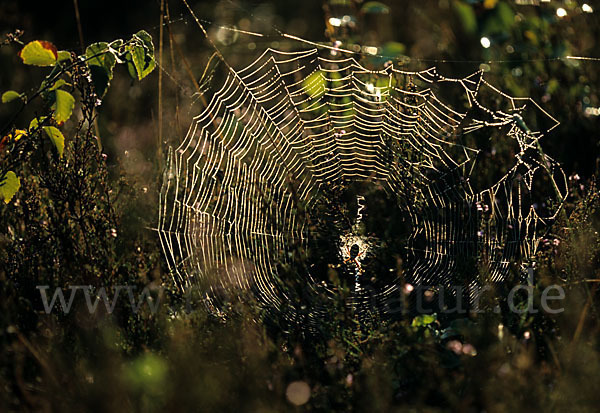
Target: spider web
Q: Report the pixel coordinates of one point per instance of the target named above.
(293, 154)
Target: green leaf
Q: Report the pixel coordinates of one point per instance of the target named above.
(390, 50)
(449, 333)
(39, 53)
(58, 84)
(131, 67)
(63, 56)
(148, 373)
(423, 320)
(56, 137)
(10, 95)
(552, 86)
(375, 7)
(63, 106)
(9, 186)
(116, 44)
(393, 49)
(142, 55)
(99, 54)
(35, 122)
(101, 61)
(506, 15)
(146, 39)
(100, 79)
(314, 85)
(467, 16)
(138, 57)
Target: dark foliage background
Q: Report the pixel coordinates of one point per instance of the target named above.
(178, 361)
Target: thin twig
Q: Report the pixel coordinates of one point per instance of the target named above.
(172, 54)
(583, 315)
(160, 80)
(82, 45)
(79, 27)
(36, 354)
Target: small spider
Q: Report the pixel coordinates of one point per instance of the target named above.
(353, 254)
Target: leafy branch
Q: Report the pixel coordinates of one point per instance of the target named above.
(95, 67)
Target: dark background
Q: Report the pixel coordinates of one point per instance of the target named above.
(522, 37)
